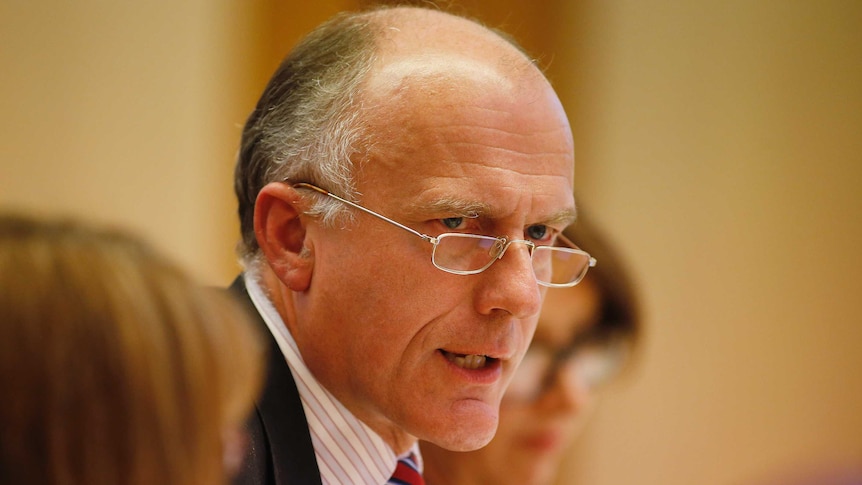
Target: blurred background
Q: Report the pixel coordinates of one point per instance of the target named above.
(718, 144)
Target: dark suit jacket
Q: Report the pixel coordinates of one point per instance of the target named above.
(280, 451)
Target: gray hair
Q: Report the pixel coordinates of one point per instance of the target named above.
(306, 126)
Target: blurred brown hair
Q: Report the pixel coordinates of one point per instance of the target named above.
(114, 366)
(620, 315)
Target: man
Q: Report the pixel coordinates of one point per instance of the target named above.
(393, 181)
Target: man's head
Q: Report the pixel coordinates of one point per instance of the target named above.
(443, 126)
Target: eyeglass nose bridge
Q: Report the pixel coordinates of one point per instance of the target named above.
(503, 242)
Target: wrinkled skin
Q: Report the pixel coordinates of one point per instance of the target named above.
(462, 122)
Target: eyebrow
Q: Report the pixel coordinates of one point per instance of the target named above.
(452, 205)
(565, 217)
(474, 209)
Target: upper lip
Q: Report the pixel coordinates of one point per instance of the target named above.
(494, 339)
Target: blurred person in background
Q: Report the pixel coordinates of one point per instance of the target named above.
(114, 366)
(584, 336)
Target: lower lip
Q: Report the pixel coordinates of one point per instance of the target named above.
(489, 374)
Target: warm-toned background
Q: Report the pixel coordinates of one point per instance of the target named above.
(719, 143)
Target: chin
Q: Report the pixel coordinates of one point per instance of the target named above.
(471, 443)
(465, 432)
(463, 438)
(459, 425)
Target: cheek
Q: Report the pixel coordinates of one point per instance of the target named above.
(382, 315)
(396, 298)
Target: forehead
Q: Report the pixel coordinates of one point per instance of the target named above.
(445, 127)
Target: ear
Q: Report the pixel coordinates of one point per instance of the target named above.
(280, 233)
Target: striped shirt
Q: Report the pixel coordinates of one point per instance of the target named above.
(347, 450)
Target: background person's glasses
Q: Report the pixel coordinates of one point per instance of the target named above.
(466, 254)
(584, 367)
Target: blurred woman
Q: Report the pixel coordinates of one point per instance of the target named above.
(584, 335)
(115, 367)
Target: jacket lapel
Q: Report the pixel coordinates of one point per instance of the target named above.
(284, 427)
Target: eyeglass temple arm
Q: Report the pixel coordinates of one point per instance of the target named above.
(575, 246)
(315, 188)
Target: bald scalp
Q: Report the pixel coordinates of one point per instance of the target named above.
(310, 123)
(417, 43)
(438, 61)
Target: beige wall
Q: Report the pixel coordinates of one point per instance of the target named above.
(128, 113)
(717, 142)
(721, 144)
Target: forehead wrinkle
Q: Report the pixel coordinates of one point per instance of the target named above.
(456, 134)
(503, 150)
(553, 130)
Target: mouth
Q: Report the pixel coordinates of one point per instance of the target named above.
(469, 361)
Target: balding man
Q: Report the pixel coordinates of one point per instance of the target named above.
(402, 184)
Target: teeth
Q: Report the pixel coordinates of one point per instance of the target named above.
(471, 361)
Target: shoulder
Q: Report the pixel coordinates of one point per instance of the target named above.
(257, 467)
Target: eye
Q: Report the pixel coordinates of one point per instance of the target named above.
(538, 233)
(452, 222)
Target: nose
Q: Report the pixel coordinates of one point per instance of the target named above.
(510, 283)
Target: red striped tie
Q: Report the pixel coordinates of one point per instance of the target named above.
(406, 472)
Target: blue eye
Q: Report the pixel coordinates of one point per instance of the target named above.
(452, 222)
(537, 232)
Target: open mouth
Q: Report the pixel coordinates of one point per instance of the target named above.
(468, 361)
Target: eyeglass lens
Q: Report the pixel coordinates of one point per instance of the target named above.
(467, 253)
(464, 252)
(586, 368)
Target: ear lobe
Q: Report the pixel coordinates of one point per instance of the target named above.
(281, 235)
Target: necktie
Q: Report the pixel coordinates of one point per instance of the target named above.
(406, 472)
